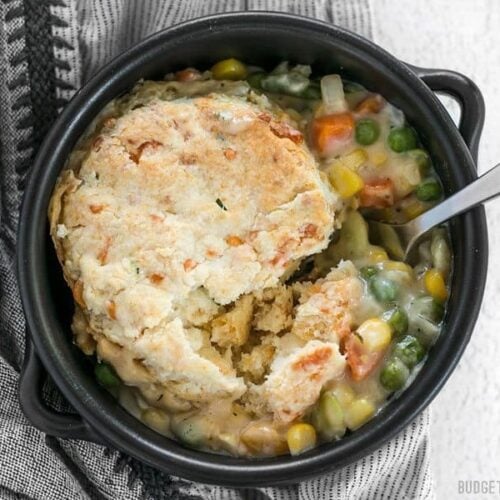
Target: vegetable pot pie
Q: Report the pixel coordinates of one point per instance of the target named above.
(211, 228)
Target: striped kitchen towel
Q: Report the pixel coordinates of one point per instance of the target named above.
(48, 48)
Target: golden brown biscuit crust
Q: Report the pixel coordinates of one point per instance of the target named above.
(171, 211)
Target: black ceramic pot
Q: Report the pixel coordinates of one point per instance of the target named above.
(264, 39)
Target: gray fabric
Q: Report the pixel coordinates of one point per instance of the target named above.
(47, 49)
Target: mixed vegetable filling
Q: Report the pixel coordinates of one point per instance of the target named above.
(374, 160)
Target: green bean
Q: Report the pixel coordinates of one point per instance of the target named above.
(394, 374)
(402, 139)
(388, 238)
(424, 330)
(410, 351)
(353, 240)
(440, 251)
(328, 417)
(427, 308)
(106, 375)
(424, 315)
(330, 407)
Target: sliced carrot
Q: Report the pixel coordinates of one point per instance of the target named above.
(189, 264)
(378, 194)
(372, 104)
(234, 241)
(360, 361)
(230, 153)
(329, 128)
(78, 293)
(187, 75)
(111, 309)
(102, 256)
(156, 278)
(96, 145)
(309, 230)
(96, 208)
(283, 130)
(109, 122)
(211, 253)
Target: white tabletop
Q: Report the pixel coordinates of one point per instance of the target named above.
(463, 35)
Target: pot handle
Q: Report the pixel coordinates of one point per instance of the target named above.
(53, 423)
(467, 93)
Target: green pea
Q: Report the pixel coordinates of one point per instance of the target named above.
(398, 321)
(106, 375)
(394, 374)
(429, 190)
(367, 131)
(368, 272)
(422, 159)
(410, 351)
(384, 289)
(255, 79)
(402, 139)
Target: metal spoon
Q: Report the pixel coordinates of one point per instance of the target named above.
(410, 233)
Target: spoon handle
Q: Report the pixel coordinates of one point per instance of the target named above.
(479, 191)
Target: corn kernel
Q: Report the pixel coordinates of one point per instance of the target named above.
(229, 69)
(263, 438)
(301, 437)
(156, 419)
(377, 254)
(354, 159)
(435, 285)
(358, 413)
(344, 394)
(414, 209)
(377, 156)
(394, 265)
(376, 334)
(399, 267)
(346, 182)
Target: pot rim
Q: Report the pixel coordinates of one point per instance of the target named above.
(93, 406)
